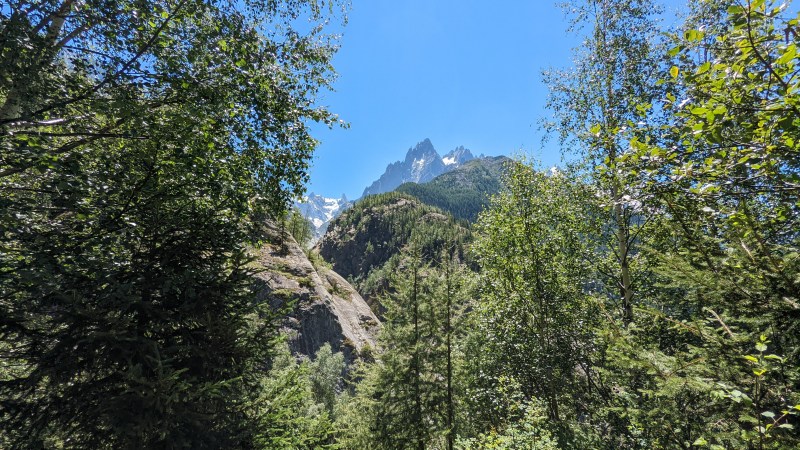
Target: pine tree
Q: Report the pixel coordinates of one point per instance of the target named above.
(400, 419)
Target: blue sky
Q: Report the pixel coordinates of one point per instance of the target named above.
(460, 72)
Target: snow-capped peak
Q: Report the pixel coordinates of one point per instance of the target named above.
(421, 164)
(321, 210)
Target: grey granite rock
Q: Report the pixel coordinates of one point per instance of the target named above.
(324, 306)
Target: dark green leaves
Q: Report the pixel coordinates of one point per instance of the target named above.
(142, 144)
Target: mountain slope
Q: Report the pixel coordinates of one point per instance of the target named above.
(464, 191)
(364, 243)
(325, 308)
(422, 163)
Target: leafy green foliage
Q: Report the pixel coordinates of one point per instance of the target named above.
(287, 409)
(325, 373)
(142, 144)
(701, 197)
(723, 180)
(299, 227)
(529, 433)
(534, 250)
(598, 108)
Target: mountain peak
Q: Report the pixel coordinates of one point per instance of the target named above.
(457, 156)
(321, 210)
(422, 163)
(423, 150)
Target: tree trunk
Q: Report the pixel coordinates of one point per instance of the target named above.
(625, 282)
(19, 94)
(449, 349)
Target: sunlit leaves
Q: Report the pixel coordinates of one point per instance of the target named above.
(534, 247)
(724, 173)
(143, 144)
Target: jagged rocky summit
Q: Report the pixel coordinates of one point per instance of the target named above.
(321, 210)
(325, 307)
(422, 163)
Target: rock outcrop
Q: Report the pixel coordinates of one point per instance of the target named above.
(324, 306)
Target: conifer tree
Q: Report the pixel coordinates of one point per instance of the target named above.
(413, 383)
(141, 145)
(400, 416)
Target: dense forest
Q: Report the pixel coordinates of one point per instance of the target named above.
(644, 296)
(464, 192)
(378, 229)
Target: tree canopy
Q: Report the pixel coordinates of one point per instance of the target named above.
(142, 144)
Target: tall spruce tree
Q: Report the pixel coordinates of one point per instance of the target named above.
(402, 397)
(410, 395)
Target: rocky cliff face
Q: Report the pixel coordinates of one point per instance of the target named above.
(422, 163)
(326, 307)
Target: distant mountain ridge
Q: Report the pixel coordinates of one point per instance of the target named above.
(364, 243)
(421, 164)
(321, 210)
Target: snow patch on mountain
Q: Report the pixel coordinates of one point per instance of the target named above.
(321, 210)
(422, 164)
(317, 222)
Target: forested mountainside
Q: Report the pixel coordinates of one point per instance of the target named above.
(644, 296)
(464, 191)
(364, 243)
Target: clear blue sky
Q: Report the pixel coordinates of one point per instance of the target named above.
(460, 72)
